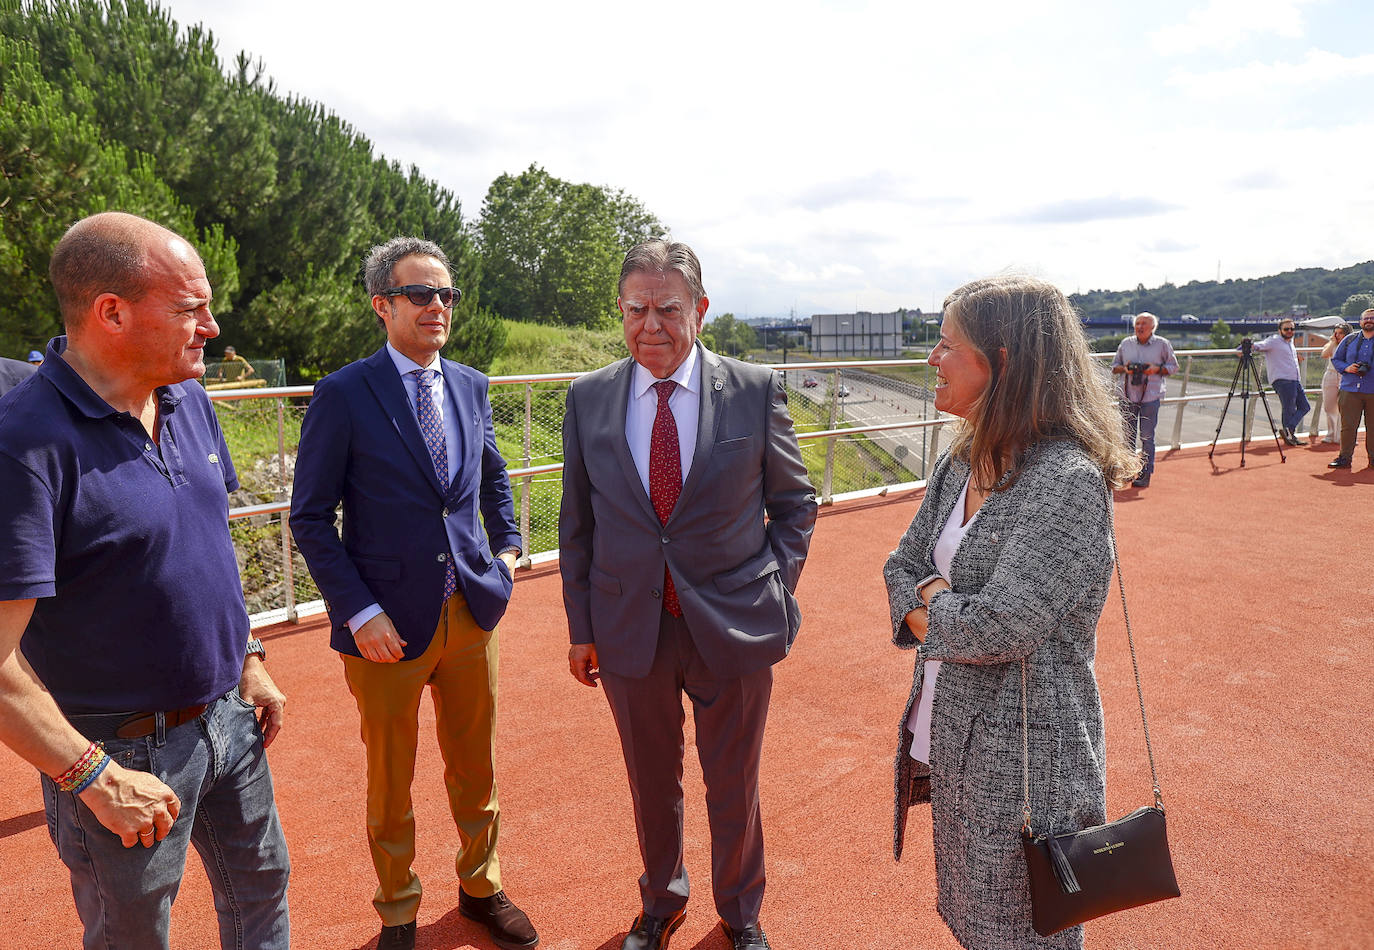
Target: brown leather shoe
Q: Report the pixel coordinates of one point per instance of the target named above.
(749, 938)
(652, 933)
(400, 937)
(510, 928)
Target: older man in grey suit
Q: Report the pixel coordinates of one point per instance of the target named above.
(674, 580)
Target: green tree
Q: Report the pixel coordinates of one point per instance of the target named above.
(1221, 335)
(1357, 304)
(729, 336)
(551, 250)
(478, 338)
(56, 166)
(112, 105)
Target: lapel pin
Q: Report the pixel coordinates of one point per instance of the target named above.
(718, 384)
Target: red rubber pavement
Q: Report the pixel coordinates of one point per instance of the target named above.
(1253, 620)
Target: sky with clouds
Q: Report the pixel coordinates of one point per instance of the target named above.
(833, 156)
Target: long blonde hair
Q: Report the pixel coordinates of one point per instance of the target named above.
(1048, 386)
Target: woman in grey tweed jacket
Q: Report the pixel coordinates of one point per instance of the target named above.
(1039, 448)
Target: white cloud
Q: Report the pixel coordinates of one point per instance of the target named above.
(1224, 24)
(828, 154)
(1318, 68)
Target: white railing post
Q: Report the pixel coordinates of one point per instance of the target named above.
(1182, 391)
(527, 483)
(828, 479)
(281, 443)
(934, 453)
(288, 568)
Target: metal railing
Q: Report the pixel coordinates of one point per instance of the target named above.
(865, 428)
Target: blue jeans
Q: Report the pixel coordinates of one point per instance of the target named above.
(218, 769)
(1293, 400)
(1142, 416)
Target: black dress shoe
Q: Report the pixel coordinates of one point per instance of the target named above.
(652, 933)
(400, 937)
(1339, 461)
(749, 938)
(1142, 482)
(509, 926)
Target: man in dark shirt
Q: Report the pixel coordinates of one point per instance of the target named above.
(127, 673)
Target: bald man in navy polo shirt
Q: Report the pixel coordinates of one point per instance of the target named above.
(128, 677)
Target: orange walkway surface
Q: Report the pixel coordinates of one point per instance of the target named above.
(1252, 592)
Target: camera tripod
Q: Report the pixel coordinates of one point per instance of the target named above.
(1246, 371)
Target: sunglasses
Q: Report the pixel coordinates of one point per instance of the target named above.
(421, 295)
(1281, 329)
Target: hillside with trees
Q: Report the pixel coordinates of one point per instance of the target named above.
(1320, 290)
(107, 106)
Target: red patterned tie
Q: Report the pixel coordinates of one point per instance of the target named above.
(665, 477)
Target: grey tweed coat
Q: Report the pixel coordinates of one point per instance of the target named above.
(1029, 581)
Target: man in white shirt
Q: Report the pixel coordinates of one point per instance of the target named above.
(1281, 365)
(675, 582)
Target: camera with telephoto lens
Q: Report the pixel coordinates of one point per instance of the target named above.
(1137, 371)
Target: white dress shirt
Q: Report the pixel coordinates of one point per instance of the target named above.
(685, 402)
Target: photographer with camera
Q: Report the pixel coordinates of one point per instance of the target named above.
(1281, 365)
(1353, 359)
(1144, 360)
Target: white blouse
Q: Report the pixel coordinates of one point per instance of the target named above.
(918, 723)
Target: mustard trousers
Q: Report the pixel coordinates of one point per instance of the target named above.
(459, 666)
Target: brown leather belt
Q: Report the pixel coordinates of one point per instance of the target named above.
(132, 725)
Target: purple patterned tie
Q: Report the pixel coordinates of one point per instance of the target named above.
(665, 477)
(433, 430)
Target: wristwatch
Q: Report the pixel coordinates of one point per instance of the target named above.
(255, 646)
(924, 604)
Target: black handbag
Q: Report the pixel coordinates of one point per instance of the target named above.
(1080, 875)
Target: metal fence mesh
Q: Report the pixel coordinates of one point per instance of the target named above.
(263, 433)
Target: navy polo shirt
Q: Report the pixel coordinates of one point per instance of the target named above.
(123, 541)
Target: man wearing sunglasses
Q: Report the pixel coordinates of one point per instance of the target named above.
(420, 578)
(1282, 365)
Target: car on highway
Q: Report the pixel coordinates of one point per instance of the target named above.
(843, 390)
(810, 382)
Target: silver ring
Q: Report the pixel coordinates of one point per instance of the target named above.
(147, 834)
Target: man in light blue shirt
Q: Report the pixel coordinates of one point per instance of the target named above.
(1281, 366)
(1143, 361)
(415, 587)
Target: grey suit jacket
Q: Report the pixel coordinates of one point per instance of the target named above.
(1029, 581)
(12, 373)
(735, 573)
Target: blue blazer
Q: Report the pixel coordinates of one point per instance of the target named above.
(361, 445)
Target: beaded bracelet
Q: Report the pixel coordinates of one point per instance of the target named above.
(84, 769)
(66, 779)
(94, 774)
